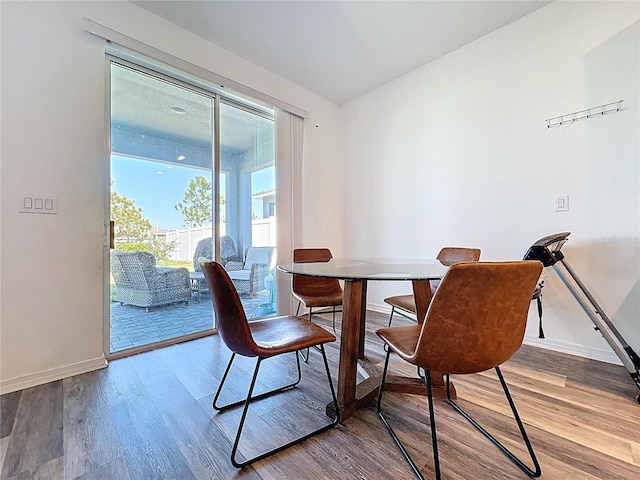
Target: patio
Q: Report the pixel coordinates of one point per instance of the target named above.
(133, 326)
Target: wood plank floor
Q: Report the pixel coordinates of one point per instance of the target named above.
(149, 417)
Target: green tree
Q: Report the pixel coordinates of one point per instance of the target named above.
(129, 224)
(133, 232)
(196, 204)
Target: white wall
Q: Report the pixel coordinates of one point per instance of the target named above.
(53, 134)
(457, 153)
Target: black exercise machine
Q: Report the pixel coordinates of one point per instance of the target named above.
(547, 250)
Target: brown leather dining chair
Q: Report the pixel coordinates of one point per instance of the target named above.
(261, 339)
(475, 322)
(315, 292)
(405, 305)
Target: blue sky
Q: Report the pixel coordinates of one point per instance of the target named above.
(158, 187)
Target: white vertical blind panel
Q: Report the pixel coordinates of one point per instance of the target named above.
(289, 154)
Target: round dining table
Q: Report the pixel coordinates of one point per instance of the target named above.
(355, 273)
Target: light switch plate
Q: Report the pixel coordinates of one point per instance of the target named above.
(38, 204)
(562, 203)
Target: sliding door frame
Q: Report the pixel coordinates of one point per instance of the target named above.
(218, 99)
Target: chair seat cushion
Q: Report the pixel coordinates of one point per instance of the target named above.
(240, 275)
(405, 302)
(328, 300)
(402, 340)
(274, 336)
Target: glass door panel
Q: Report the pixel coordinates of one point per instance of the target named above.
(248, 215)
(162, 206)
(166, 218)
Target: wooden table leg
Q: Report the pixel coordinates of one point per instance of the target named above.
(351, 394)
(362, 320)
(353, 304)
(422, 295)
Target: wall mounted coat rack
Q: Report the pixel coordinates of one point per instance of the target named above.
(588, 113)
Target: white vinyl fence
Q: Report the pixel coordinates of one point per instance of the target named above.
(263, 234)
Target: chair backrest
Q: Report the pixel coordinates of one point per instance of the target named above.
(477, 317)
(204, 250)
(227, 248)
(133, 269)
(258, 255)
(305, 285)
(231, 320)
(451, 255)
(117, 269)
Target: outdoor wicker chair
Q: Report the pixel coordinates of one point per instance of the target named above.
(139, 282)
(204, 251)
(248, 276)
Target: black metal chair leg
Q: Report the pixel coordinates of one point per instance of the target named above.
(501, 447)
(334, 320)
(406, 455)
(393, 309)
(246, 402)
(432, 419)
(257, 397)
(305, 356)
(536, 472)
(540, 330)
(333, 392)
(250, 399)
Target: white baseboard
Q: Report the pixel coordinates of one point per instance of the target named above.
(380, 308)
(46, 376)
(594, 353)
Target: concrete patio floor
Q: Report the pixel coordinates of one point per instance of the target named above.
(133, 326)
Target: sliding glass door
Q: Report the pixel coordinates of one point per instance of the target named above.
(165, 172)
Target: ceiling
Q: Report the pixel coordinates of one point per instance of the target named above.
(341, 49)
(161, 120)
